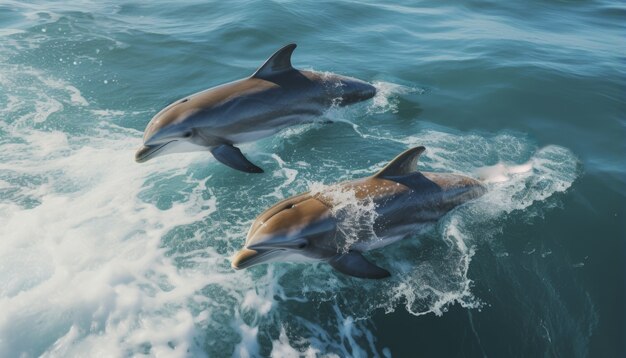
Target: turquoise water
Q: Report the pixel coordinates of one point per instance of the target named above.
(100, 255)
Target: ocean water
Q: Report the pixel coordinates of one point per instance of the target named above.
(101, 256)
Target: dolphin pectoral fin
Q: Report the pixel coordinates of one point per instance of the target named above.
(232, 156)
(354, 264)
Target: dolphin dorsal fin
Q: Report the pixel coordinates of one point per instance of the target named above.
(279, 62)
(403, 164)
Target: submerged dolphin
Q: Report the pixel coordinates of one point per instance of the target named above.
(313, 226)
(274, 97)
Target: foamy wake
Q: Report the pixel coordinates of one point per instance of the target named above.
(102, 256)
(387, 96)
(82, 265)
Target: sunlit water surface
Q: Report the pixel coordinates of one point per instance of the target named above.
(100, 255)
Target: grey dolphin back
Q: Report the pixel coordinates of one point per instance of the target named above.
(278, 63)
(403, 164)
(354, 264)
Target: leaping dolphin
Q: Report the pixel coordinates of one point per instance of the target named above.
(276, 96)
(311, 226)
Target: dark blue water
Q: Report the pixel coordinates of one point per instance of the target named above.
(100, 255)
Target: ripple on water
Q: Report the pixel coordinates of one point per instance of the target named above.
(134, 258)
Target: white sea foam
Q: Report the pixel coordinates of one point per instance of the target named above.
(386, 98)
(288, 175)
(75, 96)
(34, 97)
(102, 256)
(82, 270)
(107, 112)
(9, 32)
(281, 347)
(91, 258)
(501, 172)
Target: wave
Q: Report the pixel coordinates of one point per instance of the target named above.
(123, 251)
(100, 254)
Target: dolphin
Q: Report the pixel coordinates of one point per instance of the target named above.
(314, 227)
(276, 96)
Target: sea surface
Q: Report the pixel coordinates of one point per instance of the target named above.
(102, 256)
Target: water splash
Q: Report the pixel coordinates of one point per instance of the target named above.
(387, 95)
(125, 253)
(501, 172)
(355, 217)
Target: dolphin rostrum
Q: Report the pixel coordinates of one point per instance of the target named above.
(276, 96)
(321, 227)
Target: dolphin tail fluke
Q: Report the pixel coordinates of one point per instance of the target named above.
(232, 156)
(354, 264)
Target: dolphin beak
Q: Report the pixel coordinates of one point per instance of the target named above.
(166, 135)
(147, 152)
(143, 154)
(246, 258)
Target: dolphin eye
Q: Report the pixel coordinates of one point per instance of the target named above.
(303, 244)
(187, 135)
(184, 100)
